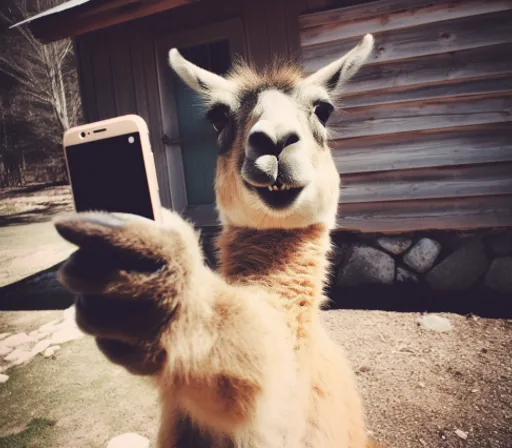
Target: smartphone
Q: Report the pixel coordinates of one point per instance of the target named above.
(111, 167)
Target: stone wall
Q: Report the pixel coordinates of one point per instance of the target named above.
(439, 261)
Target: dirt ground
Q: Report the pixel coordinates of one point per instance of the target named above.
(419, 387)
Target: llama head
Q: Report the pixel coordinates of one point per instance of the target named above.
(274, 168)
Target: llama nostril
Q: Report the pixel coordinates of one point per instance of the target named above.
(291, 139)
(262, 143)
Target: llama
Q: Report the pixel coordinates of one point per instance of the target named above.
(239, 357)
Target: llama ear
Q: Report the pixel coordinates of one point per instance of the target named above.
(337, 73)
(201, 80)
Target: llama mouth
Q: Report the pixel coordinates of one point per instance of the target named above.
(278, 196)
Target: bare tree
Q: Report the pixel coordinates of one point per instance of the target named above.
(44, 72)
(39, 98)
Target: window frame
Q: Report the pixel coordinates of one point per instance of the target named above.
(233, 31)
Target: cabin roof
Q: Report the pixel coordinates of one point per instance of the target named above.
(76, 17)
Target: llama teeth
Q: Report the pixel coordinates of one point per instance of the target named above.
(283, 187)
(269, 188)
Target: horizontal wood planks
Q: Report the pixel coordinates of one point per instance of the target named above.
(377, 17)
(443, 67)
(405, 216)
(424, 139)
(417, 115)
(463, 145)
(428, 183)
(453, 88)
(428, 39)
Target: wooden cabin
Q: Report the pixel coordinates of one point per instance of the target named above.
(425, 137)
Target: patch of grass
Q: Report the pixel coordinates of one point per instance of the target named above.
(35, 429)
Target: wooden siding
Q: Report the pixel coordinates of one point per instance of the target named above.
(424, 139)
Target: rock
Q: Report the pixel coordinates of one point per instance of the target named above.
(461, 269)
(40, 347)
(422, 256)
(66, 334)
(463, 435)
(69, 313)
(49, 326)
(3, 378)
(501, 244)
(40, 335)
(367, 266)
(19, 356)
(499, 275)
(337, 256)
(16, 339)
(405, 276)
(433, 322)
(23, 358)
(4, 335)
(129, 440)
(395, 245)
(50, 351)
(13, 356)
(4, 351)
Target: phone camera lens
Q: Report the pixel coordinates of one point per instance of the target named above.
(131, 139)
(82, 134)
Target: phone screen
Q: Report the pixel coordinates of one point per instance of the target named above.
(109, 175)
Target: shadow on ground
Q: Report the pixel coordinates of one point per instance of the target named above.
(41, 214)
(41, 291)
(33, 203)
(412, 299)
(36, 188)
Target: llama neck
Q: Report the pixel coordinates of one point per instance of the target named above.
(291, 263)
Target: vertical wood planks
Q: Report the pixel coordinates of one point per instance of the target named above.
(122, 73)
(102, 72)
(84, 47)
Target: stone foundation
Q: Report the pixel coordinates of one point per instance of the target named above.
(439, 261)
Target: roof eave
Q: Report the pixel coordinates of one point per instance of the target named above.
(87, 16)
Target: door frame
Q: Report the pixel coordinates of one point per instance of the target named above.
(233, 30)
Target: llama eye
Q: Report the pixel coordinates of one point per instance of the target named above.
(323, 111)
(218, 117)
